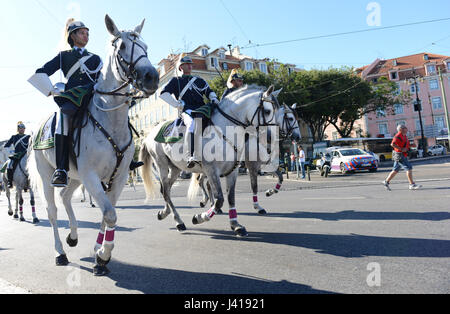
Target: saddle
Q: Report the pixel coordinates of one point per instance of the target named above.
(170, 132)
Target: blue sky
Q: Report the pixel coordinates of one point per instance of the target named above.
(32, 30)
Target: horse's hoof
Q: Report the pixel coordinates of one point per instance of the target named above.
(62, 260)
(93, 205)
(100, 271)
(219, 212)
(10, 213)
(100, 262)
(16, 216)
(195, 220)
(262, 212)
(71, 242)
(160, 216)
(181, 228)
(202, 205)
(240, 232)
(36, 221)
(22, 219)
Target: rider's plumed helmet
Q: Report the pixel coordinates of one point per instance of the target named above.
(20, 125)
(73, 26)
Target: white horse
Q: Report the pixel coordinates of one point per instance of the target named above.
(21, 184)
(287, 120)
(106, 143)
(245, 109)
(83, 196)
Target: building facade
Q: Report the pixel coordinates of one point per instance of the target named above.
(430, 73)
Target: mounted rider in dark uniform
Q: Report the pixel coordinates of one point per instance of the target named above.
(189, 92)
(235, 81)
(82, 70)
(20, 143)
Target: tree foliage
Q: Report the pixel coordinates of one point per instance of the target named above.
(336, 97)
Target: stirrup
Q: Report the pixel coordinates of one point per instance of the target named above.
(59, 179)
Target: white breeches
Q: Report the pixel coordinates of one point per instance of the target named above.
(62, 124)
(188, 121)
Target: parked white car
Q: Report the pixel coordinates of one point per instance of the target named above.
(437, 150)
(346, 160)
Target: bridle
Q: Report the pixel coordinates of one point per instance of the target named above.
(126, 69)
(259, 114)
(287, 125)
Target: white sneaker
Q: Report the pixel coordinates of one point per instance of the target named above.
(386, 185)
(415, 186)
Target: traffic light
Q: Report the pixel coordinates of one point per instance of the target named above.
(418, 105)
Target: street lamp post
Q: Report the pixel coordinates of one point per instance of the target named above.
(418, 108)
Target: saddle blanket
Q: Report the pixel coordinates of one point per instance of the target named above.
(45, 138)
(170, 132)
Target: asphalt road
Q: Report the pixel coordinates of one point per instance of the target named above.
(342, 234)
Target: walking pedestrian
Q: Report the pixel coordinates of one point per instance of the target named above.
(302, 160)
(401, 147)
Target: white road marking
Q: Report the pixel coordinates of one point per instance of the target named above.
(7, 288)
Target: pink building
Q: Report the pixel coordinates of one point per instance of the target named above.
(425, 68)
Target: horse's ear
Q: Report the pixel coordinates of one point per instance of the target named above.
(111, 26)
(276, 93)
(269, 91)
(139, 28)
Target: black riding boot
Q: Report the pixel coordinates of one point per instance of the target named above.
(135, 164)
(60, 176)
(10, 176)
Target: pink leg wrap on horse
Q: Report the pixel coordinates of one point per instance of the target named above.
(109, 235)
(33, 209)
(233, 214)
(255, 199)
(100, 238)
(278, 187)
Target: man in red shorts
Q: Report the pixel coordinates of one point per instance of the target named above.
(401, 146)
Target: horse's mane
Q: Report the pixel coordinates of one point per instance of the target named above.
(240, 92)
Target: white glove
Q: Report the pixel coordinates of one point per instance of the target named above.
(55, 92)
(215, 101)
(181, 105)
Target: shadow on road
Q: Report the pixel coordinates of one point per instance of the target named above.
(356, 215)
(83, 225)
(152, 207)
(352, 246)
(151, 280)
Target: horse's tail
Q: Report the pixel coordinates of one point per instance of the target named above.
(36, 183)
(147, 173)
(194, 186)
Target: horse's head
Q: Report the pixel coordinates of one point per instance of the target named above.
(262, 107)
(287, 120)
(129, 59)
